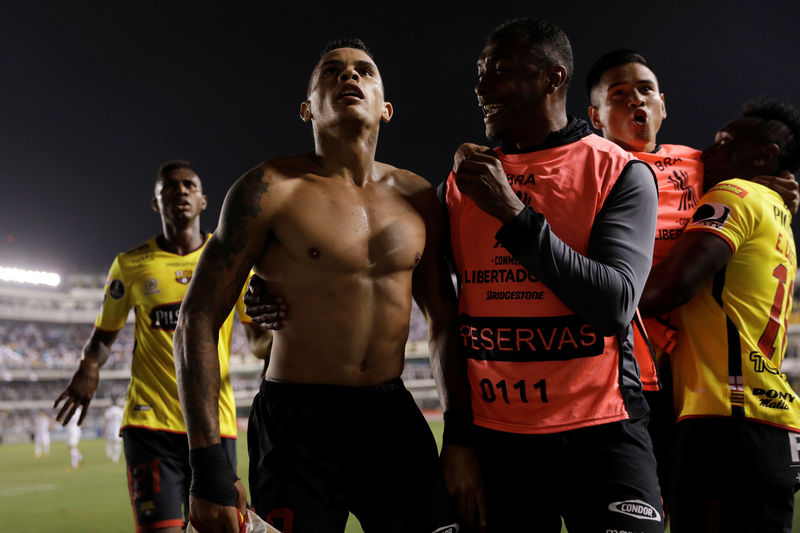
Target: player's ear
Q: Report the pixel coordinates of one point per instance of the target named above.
(594, 117)
(663, 107)
(204, 203)
(388, 111)
(155, 205)
(305, 110)
(556, 78)
(767, 154)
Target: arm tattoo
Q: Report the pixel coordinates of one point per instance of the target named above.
(215, 288)
(244, 202)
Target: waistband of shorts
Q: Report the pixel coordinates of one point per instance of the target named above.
(285, 389)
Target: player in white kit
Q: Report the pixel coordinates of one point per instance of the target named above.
(113, 417)
(41, 434)
(73, 438)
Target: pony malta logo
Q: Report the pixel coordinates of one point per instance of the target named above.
(183, 276)
(636, 509)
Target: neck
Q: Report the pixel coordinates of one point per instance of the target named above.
(554, 118)
(181, 239)
(347, 152)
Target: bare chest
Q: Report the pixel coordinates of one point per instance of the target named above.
(349, 228)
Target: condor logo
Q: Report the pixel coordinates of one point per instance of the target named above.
(635, 508)
(183, 276)
(711, 215)
(165, 317)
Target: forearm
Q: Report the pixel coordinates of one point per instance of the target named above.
(198, 375)
(449, 370)
(658, 298)
(694, 258)
(604, 286)
(94, 355)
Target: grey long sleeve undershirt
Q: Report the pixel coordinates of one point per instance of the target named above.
(603, 288)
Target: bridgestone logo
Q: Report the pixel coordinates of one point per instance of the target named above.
(635, 508)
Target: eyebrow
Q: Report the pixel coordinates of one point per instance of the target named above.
(637, 82)
(361, 63)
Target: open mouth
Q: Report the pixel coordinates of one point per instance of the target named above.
(491, 109)
(351, 91)
(640, 117)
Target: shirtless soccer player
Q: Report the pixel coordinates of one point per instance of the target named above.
(340, 236)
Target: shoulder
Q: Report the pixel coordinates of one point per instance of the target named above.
(273, 172)
(403, 181)
(735, 189)
(139, 254)
(734, 198)
(605, 147)
(679, 150)
(140, 249)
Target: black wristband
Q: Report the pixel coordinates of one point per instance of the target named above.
(213, 476)
(458, 428)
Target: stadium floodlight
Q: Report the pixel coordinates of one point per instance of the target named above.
(33, 277)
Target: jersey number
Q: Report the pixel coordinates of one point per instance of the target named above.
(767, 340)
(489, 395)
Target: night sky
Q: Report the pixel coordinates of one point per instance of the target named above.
(96, 95)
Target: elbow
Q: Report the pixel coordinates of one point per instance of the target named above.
(617, 308)
(613, 325)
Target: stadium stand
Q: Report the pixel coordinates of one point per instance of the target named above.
(42, 331)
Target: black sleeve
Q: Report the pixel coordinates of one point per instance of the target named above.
(603, 288)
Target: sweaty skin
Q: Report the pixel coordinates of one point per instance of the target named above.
(349, 281)
(337, 234)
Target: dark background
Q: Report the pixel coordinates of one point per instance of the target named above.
(96, 95)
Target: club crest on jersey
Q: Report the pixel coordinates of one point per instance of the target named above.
(711, 215)
(636, 509)
(183, 276)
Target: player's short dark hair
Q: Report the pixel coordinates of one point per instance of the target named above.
(347, 42)
(780, 125)
(170, 166)
(609, 60)
(335, 44)
(546, 40)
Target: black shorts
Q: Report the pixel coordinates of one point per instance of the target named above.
(661, 427)
(600, 478)
(734, 475)
(159, 476)
(318, 452)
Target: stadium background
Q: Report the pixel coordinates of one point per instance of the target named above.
(99, 95)
(42, 330)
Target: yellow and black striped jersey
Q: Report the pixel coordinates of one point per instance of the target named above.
(732, 334)
(153, 282)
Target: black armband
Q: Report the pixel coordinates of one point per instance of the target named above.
(213, 476)
(457, 428)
